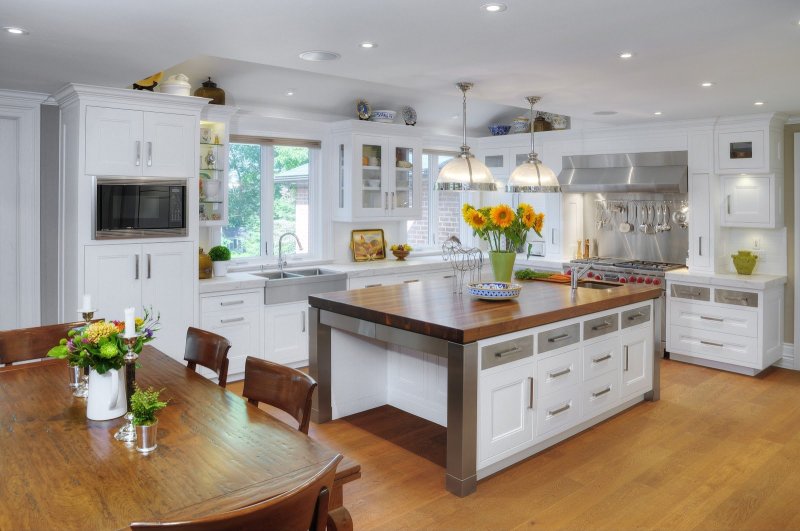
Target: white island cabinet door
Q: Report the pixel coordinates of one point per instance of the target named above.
(286, 333)
(168, 271)
(637, 361)
(113, 278)
(169, 145)
(114, 143)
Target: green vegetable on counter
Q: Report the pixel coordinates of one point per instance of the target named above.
(530, 274)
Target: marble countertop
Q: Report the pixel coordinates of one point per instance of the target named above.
(728, 280)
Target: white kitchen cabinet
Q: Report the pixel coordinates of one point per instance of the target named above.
(135, 143)
(379, 173)
(286, 333)
(145, 275)
(751, 201)
(637, 360)
(700, 219)
(213, 177)
(237, 317)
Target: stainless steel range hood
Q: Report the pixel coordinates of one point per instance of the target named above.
(661, 171)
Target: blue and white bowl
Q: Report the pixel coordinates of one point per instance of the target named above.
(383, 116)
(498, 129)
(494, 291)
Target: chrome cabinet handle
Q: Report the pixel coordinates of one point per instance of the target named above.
(553, 236)
(149, 267)
(554, 412)
(711, 343)
(507, 352)
(149, 153)
(373, 285)
(231, 303)
(386, 201)
(449, 276)
(136, 277)
(601, 359)
(635, 316)
(728, 199)
(625, 369)
(303, 320)
(530, 399)
(138, 152)
(556, 339)
(410, 281)
(700, 246)
(233, 320)
(601, 393)
(717, 319)
(393, 201)
(603, 326)
(562, 372)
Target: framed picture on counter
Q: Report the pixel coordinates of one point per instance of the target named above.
(368, 244)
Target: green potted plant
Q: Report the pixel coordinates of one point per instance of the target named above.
(144, 405)
(220, 255)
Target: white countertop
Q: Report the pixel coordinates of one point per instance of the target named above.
(728, 280)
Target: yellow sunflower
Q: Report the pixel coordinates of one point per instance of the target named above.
(465, 211)
(538, 222)
(502, 216)
(528, 215)
(475, 219)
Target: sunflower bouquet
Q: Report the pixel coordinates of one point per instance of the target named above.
(501, 226)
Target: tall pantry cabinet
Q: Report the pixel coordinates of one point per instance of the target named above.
(119, 133)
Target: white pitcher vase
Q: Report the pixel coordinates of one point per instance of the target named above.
(106, 395)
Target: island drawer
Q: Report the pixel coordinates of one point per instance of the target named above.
(738, 298)
(559, 337)
(719, 346)
(558, 372)
(600, 326)
(231, 301)
(714, 318)
(558, 412)
(694, 293)
(601, 357)
(506, 352)
(635, 316)
(600, 394)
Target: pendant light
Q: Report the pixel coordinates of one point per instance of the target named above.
(532, 175)
(465, 172)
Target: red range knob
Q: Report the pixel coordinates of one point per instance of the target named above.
(648, 280)
(589, 275)
(657, 282)
(639, 280)
(568, 272)
(631, 279)
(623, 280)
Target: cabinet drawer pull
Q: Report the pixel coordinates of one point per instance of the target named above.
(711, 343)
(554, 412)
(601, 359)
(699, 246)
(557, 374)
(601, 393)
(138, 153)
(530, 399)
(635, 316)
(136, 274)
(625, 369)
(737, 299)
(232, 320)
(393, 201)
(449, 276)
(303, 320)
(507, 352)
(553, 236)
(373, 285)
(231, 303)
(149, 153)
(386, 201)
(717, 319)
(603, 326)
(410, 281)
(556, 339)
(149, 265)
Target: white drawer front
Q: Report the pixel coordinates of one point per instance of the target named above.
(558, 412)
(714, 318)
(601, 358)
(231, 302)
(717, 346)
(600, 394)
(558, 372)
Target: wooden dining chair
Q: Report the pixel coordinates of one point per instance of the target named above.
(282, 387)
(209, 350)
(24, 344)
(300, 509)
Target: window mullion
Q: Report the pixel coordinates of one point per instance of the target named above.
(267, 186)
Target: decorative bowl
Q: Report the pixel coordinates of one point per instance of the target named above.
(384, 116)
(498, 129)
(744, 262)
(521, 125)
(494, 291)
(401, 255)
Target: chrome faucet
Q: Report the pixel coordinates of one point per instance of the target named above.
(281, 259)
(576, 273)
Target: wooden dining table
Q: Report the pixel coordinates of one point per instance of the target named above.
(59, 470)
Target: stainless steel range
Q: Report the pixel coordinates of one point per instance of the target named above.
(627, 271)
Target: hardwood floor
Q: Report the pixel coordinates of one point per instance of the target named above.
(718, 451)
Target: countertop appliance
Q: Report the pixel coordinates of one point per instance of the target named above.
(627, 271)
(139, 208)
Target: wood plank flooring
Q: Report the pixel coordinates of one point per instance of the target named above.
(718, 451)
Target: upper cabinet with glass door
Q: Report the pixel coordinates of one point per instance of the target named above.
(378, 172)
(213, 176)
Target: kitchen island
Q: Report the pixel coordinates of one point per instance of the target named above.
(521, 375)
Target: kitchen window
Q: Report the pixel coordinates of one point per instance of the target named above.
(441, 211)
(271, 184)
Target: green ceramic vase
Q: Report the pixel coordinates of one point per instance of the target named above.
(502, 265)
(744, 262)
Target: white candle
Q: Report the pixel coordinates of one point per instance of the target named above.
(87, 302)
(130, 322)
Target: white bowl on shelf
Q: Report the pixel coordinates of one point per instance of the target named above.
(384, 116)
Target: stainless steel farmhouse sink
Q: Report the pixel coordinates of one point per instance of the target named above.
(296, 285)
(598, 285)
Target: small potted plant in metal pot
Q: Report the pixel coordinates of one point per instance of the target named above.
(144, 405)
(220, 256)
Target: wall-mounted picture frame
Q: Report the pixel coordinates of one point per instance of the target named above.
(368, 244)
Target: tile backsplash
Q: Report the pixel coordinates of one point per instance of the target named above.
(769, 245)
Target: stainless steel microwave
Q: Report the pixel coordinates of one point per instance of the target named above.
(140, 208)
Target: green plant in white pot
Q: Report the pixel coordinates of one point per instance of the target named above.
(220, 256)
(144, 405)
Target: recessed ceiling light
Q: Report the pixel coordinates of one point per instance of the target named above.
(625, 55)
(456, 116)
(707, 84)
(290, 92)
(15, 30)
(658, 113)
(494, 8)
(319, 55)
(604, 113)
(759, 103)
(367, 44)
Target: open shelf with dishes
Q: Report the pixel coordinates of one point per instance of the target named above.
(212, 179)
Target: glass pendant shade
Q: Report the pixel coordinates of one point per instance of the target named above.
(532, 176)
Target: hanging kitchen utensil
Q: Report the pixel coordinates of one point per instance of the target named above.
(649, 229)
(667, 227)
(626, 225)
(643, 214)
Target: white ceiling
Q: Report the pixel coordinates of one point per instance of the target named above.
(563, 50)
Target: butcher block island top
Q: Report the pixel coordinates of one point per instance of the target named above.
(432, 309)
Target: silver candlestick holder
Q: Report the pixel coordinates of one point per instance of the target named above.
(81, 377)
(127, 433)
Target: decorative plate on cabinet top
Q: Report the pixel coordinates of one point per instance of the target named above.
(494, 291)
(409, 115)
(364, 110)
